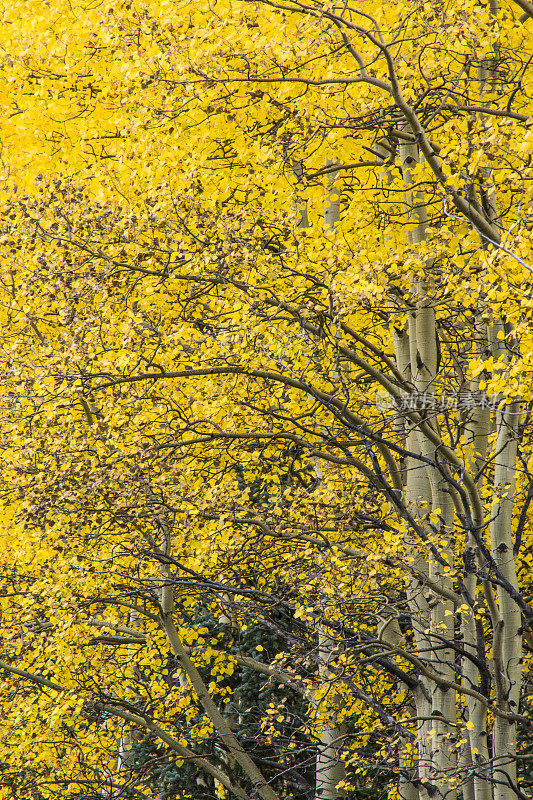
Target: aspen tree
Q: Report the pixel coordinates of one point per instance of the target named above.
(328, 435)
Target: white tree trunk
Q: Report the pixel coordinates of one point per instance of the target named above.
(508, 639)
(426, 491)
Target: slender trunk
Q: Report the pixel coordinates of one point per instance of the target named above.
(506, 615)
(429, 491)
(408, 764)
(467, 772)
(508, 639)
(330, 769)
(476, 749)
(408, 781)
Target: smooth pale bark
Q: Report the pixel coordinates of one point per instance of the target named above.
(467, 770)
(505, 615)
(408, 782)
(417, 492)
(417, 489)
(427, 490)
(330, 769)
(508, 639)
(476, 746)
(476, 755)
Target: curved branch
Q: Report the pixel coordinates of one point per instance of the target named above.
(137, 719)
